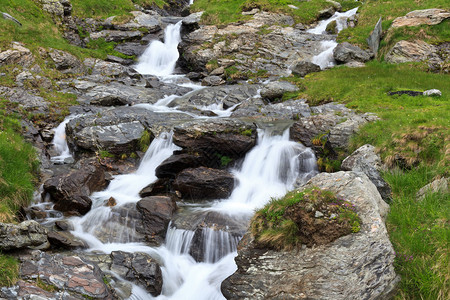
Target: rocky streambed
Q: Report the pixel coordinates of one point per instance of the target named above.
(157, 176)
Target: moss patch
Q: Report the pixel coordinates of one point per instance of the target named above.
(311, 217)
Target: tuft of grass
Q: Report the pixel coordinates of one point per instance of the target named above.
(145, 140)
(10, 270)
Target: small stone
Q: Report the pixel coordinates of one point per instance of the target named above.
(318, 214)
(433, 93)
(252, 12)
(111, 202)
(333, 216)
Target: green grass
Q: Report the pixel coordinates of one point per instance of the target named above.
(18, 166)
(417, 129)
(10, 270)
(228, 11)
(371, 10)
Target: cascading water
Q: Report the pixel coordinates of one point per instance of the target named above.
(325, 58)
(60, 143)
(160, 58)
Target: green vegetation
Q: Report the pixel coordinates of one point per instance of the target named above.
(412, 137)
(228, 11)
(281, 223)
(372, 10)
(10, 270)
(145, 140)
(108, 8)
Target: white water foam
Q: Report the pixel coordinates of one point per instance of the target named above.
(160, 58)
(325, 58)
(340, 18)
(60, 143)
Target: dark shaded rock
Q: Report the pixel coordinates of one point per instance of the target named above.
(176, 163)
(156, 213)
(63, 225)
(139, 268)
(216, 138)
(159, 187)
(26, 234)
(303, 68)
(119, 60)
(70, 191)
(346, 52)
(275, 90)
(116, 35)
(204, 183)
(131, 49)
(65, 240)
(365, 160)
(70, 273)
(409, 93)
(375, 37)
(365, 259)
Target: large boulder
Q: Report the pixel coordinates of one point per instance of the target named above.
(110, 69)
(366, 160)
(156, 213)
(116, 35)
(140, 20)
(355, 266)
(204, 183)
(177, 163)
(65, 240)
(66, 62)
(17, 55)
(432, 16)
(414, 51)
(139, 268)
(25, 99)
(437, 186)
(215, 138)
(275, 90)
(26, 234)
(303, 68)
(67, 273)
(71, 191)
(346, 52)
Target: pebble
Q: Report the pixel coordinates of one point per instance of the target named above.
(318, 214)
(433, 93)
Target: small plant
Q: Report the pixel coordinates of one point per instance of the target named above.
(105, 154)
(144, 141)
(247, 132)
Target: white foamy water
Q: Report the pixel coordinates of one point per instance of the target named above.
(325, 59)
(160, 58)
(60, 143)
(340, 18)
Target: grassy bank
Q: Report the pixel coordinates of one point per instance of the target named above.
(417, 129)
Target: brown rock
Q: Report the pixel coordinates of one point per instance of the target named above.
(431, 16)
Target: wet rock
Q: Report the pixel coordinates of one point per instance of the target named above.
(432, 16)
(216, 138)
(347, 52)
(204, 183)
(71, 191)
(213, 81)
(405, 51)
(365, 160)
(63, 225)
(437, 186)
(275, 90)
(67, 273)
(18, 54)
(156, 213)
(139, 268)
(302, 68)
(365, 258)
(116, 35)
(65, 240)
(66, 62)
(177, 163)
(24, 235)
(159, 187)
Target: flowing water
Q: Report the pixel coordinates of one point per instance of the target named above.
(272, 168)
(60, 143)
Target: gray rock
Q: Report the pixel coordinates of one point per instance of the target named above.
(213, 81)
(139, 268)
(104, 68)
(303, 68)
(416, 51)
(26, 234)
(131, 48)
(432, 93)
(365, 259)
(66, 62)
(117, 36)
(24, 98)
(122, 61)
(437, 186)
(65, 240)
(9, 17)
(346, 52)
(17, 55)
(375, 37)
(432, 16)
(365, 160)
(275, 90)
(53, 7)
(67, 273)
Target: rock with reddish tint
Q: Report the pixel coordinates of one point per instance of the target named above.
(67, 273)
(362, 263)
(26, 234)
(204, 183)
(156, 213)
(27, 290)
(139, 268)
(215, 138)
(71, 191)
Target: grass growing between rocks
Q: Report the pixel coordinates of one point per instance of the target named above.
(18, 165)
(291, 221)
(412, 137)
(10, 270)
(224, 12)
(371, 10)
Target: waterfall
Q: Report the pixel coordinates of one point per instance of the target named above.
(160, 58)
(60, 143)
(340, 18)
